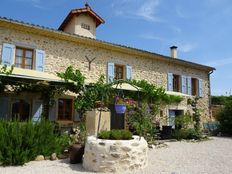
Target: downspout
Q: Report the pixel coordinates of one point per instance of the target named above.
(210, 102)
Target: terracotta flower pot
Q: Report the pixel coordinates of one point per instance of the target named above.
(76, 153)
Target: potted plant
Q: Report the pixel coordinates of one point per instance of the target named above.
(95, 99)
(78, 137)
(122, 104)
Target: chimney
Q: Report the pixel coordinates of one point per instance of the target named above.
(173, 50)
(87, 5)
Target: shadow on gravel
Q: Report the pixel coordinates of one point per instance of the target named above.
(74, 167)
(221, 137)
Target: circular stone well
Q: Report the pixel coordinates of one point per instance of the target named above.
(115, 155)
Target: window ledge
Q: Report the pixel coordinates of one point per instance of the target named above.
(65, 122)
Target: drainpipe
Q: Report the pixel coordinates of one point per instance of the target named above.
(210, 102)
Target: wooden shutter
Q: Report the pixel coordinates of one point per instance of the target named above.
(128, 72)
(37, 110)
(52, 111)
(200, 88)
(184, 84)
(189, 85)
(4, 107)
(40, 55)
(8, 54)
(76, 116)
(170, 82)
(110, 75)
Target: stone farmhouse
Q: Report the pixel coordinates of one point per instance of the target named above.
(39, 52)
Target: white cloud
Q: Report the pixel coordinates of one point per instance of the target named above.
(221, 62)
(148, 9)
(145, 10)
(34, 3)
(150, 36)
(186, 47)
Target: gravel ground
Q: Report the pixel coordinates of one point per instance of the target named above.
(208, 157)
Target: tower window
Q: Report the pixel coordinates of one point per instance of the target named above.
(85, 26)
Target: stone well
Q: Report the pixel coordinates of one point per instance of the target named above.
(115, 155)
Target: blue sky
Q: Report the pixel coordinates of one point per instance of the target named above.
(200, 28)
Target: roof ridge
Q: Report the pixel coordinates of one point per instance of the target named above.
(102, 41)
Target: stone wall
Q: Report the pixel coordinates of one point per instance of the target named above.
(61, 53)
(74, 27)
(115, 155)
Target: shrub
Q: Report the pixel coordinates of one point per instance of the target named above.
(115, 135)
(219, 100)
(104, 134)
(186, 134)
(225, 117)
(183, 121)
(141, 121)
(21, 142)
(126, 135)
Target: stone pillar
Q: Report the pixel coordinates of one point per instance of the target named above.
(92, 119)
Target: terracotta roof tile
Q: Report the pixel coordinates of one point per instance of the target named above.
(79, 11)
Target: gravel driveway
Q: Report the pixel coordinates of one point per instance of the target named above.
(208, 157)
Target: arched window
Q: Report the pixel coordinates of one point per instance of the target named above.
(21, 110)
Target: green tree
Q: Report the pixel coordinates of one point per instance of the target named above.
(225, 117)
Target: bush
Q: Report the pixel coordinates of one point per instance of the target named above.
(183, 121)
(104, 134)
(21, 142)
(115, 135)
(141, 121)
(219, 100)
(225, 118)
(186, 134)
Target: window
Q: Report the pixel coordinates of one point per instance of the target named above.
(21, 110)
(185, 84)
(194, 86)
(65, 109)
(118, 72)
(85, 26)
(176, 83)
(24, 58)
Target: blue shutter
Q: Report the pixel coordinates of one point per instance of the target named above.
(4, 107)
(128, 72)
(170, 82)
(40, 55)
(184, 84)
(189, 85)
(37, 110)
(200, 88)
(8, 52)
(110, 74)
(76, 116)
(52, 111)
